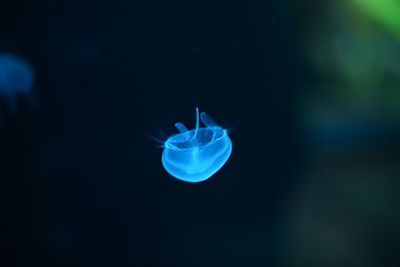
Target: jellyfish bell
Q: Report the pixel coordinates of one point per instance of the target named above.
(16, 81)
(196, 155)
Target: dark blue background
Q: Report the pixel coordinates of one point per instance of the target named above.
(83, 185)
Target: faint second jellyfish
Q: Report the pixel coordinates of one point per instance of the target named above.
(16, 80)
(195, 155)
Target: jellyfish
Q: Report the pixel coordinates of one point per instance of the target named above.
(195, 155)
(16, 80)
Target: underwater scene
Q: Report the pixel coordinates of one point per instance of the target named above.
(200, 133)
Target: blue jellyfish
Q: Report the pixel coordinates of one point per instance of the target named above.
(195, 155)
(16, 79)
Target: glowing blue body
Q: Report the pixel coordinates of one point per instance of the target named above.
(195, 155)
(16, 76)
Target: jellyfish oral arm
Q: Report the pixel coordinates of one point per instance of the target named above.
(207, 120)
(181, 127)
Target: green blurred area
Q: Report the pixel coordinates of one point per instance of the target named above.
(345, 209)
(353, 49)
(385, 11)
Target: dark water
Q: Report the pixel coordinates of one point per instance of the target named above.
(83, 185)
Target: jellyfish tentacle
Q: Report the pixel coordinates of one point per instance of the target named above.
(197, 124)
(181, 127)
(207, 120)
